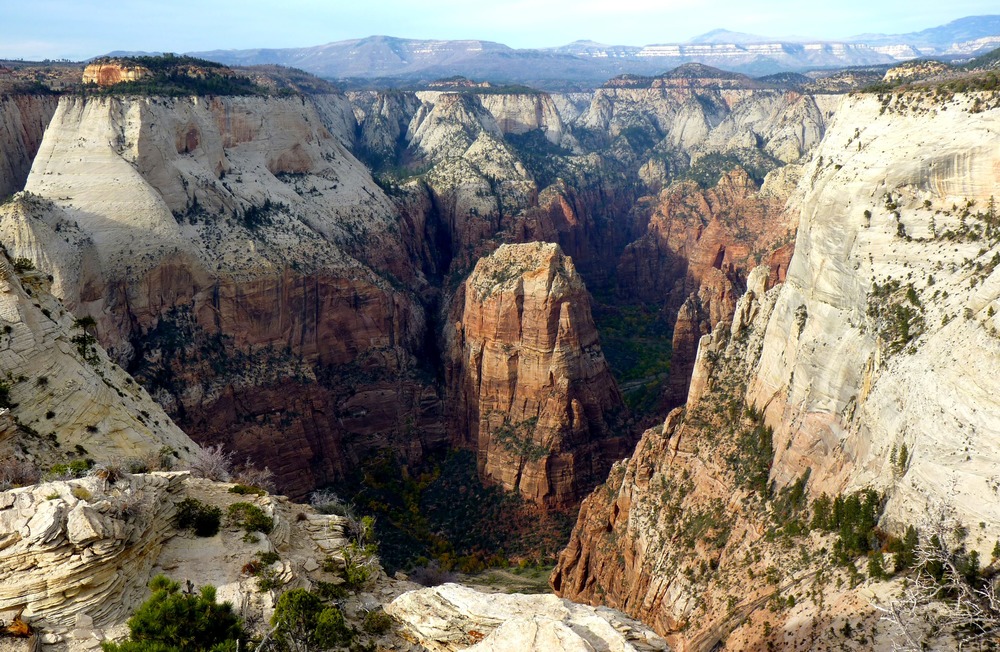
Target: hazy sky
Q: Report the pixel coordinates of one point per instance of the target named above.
(77, 29)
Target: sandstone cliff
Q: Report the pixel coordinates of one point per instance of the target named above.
(521, 113)
(66, 399)
(883, 333)
(701, 120)
(110, 72)
(686, 536)
(23, 119)
(695, 256)
(235, 254)
(229, 249)
(866, 368)
(531, 386)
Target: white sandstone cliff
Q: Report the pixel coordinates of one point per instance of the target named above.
(884, 333)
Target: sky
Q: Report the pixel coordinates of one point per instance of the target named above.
(79, 29)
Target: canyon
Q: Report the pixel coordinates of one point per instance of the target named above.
(829, 367)
(321, 280)
(276, 298)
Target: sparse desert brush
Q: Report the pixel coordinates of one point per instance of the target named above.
(249, 475)
(15, 472)
(325, 501)
(212, 463)
(110, 472)
(125, 505)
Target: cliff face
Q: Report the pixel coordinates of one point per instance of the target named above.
(486, 173)
(110, 73)
(704, 120)
(521, 113)
(229, 250)
(695, 255)
(65, 397)
(884, 331)
(880, 340)
(687, 537)
(532, 388)
(23, 119)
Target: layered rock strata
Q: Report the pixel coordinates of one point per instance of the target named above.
(65, 397)
(867, 368)
(230, 249)
(530, 384)
(76, 556)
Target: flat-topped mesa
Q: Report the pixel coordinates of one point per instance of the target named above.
(108, 72)
(533, 392)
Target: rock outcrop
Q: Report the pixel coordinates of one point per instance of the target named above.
(531, 387)
(76, 556)
(66, 398)
(453, 617)
(110, 72)
(23, 119)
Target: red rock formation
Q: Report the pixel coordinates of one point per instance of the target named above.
(307, 374)
(698, 248)
(109, 73)
(577, 217)
(714, 301)
(532, 390)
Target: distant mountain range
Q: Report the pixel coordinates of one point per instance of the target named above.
(587, 62)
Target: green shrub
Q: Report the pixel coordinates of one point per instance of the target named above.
(302, 620)
(196, 515)
(250, 517)
(74, 469)
(377, 622)
(244, 490)
(268, 579)
(180, 622)
(23, 265)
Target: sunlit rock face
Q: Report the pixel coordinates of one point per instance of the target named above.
(531, 386)
(231, 249)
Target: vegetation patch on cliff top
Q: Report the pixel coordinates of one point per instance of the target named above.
(173, 75)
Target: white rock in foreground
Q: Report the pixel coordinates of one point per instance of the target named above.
(453, 617)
